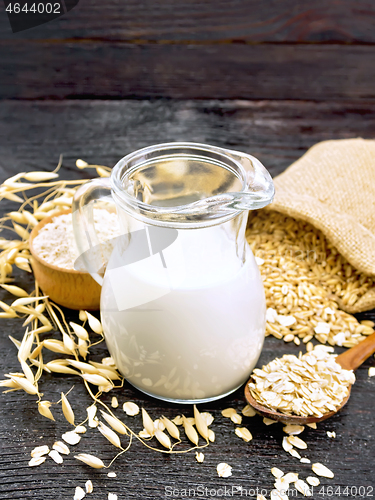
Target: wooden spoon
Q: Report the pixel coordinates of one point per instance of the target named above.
(349, 360)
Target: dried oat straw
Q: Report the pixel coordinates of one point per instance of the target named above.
(306, 282)
(308, 385)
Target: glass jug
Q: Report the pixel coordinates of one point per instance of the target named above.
(182, 301)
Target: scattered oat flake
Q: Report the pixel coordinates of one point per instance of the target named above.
(61, 447)
(89, 487)
(269, 421)
(36, 461)
(236, 418)
(331, 434)
(322, 470)
(248, 411)
(228, 412)
(277, 472)
(199, 456)
(322, 327)
(295, 453)
(112, 496)
(79, 493)
(39, 451)
(313, 481)
(286, 320)
(56, 457)
(305, 460)
(112, 474)
(371, 371)
(130, 408)
(286, 445)
(312, 425)
(243, 433)
(297, 442)
(224, 470)
(292, 429)
(271, 315)
(114, 402)
(303, 488)
(80, 429)
(71, 437)
(291, 477)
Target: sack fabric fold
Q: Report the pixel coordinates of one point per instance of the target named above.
(332, 186)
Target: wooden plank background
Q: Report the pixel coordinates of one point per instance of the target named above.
(318, 50)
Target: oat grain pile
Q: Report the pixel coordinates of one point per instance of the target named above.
(307, 282)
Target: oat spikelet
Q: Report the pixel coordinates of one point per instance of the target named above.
(211, 435)
(82, 315)
(94, 323)
(97, 380)
(85, 367)
(21, 231)
(190, 432)
(90, 460)
(56, 346)
(67, 409)
(171, 427)
(200, 424)
(81, 163)
(148, 423)
(40, 176)
(163, 438)
(109, 434)
(82, 348)
(115, 423)
(15, 290)
(25, 385)
(59, 366)
(43, 408)
(25, 347)
(79, 331)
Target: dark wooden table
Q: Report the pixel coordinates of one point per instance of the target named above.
(33, 135)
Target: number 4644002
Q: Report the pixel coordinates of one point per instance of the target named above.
(35, 8)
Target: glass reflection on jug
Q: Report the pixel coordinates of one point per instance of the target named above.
(182, 302)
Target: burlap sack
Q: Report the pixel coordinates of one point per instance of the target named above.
(332, 186)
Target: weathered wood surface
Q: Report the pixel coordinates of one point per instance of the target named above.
(32, 136)
(285, 50)
(120, 70)
(343, 21)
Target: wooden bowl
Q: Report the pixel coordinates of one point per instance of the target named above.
(67, 287)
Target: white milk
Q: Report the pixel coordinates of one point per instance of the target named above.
(201, 332)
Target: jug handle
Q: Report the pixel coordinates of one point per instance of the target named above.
(83, 225)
